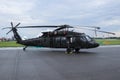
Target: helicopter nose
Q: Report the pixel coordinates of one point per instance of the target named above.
(96, 45)
(93, 45)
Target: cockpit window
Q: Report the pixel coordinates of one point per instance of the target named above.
(88, 38)
(83, 38)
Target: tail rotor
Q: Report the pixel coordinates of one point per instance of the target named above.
(12, 27)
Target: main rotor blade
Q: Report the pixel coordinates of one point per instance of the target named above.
(32, 27)
(62, 27)
(107, 32)
(51, 26)
(48, 26)
(37, 26)
(95, 27)
(97, 30)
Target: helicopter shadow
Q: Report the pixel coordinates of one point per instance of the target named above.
(73, 53)
(58, 52)
(86, 53)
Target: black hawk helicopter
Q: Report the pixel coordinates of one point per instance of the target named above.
(58, 38)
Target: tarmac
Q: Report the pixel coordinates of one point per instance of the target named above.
(101, 63)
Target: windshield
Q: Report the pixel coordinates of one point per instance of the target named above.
(88, 38)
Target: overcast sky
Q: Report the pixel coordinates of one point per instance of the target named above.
(103, 13)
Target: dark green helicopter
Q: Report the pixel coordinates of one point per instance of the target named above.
(61, 37)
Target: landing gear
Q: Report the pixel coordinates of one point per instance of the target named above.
(69, 51)
(24, 48)
(69, 45)
(77, 50)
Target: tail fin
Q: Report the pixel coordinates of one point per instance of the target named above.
(16, 35)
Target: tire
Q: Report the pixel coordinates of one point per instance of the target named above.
(69, 51)
(77, 50)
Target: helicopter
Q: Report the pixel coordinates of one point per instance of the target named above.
(61, 37)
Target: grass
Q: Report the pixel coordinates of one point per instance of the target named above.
(108, 41)
(10, 44)
(100, 41)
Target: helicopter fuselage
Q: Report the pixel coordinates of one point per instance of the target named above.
(62, 40)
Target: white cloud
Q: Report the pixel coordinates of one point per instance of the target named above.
(74, 12)
(27, 20)
(15, 7)
(117, 33)
(115, 21)
(18, 11)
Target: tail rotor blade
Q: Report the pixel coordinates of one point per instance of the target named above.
(12, 24)
(9, 31)
(17, 25)
(11, 28)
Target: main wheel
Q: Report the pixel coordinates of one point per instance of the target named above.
(69, 51)
(77, 50)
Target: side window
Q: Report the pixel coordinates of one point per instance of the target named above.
(63, 38)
